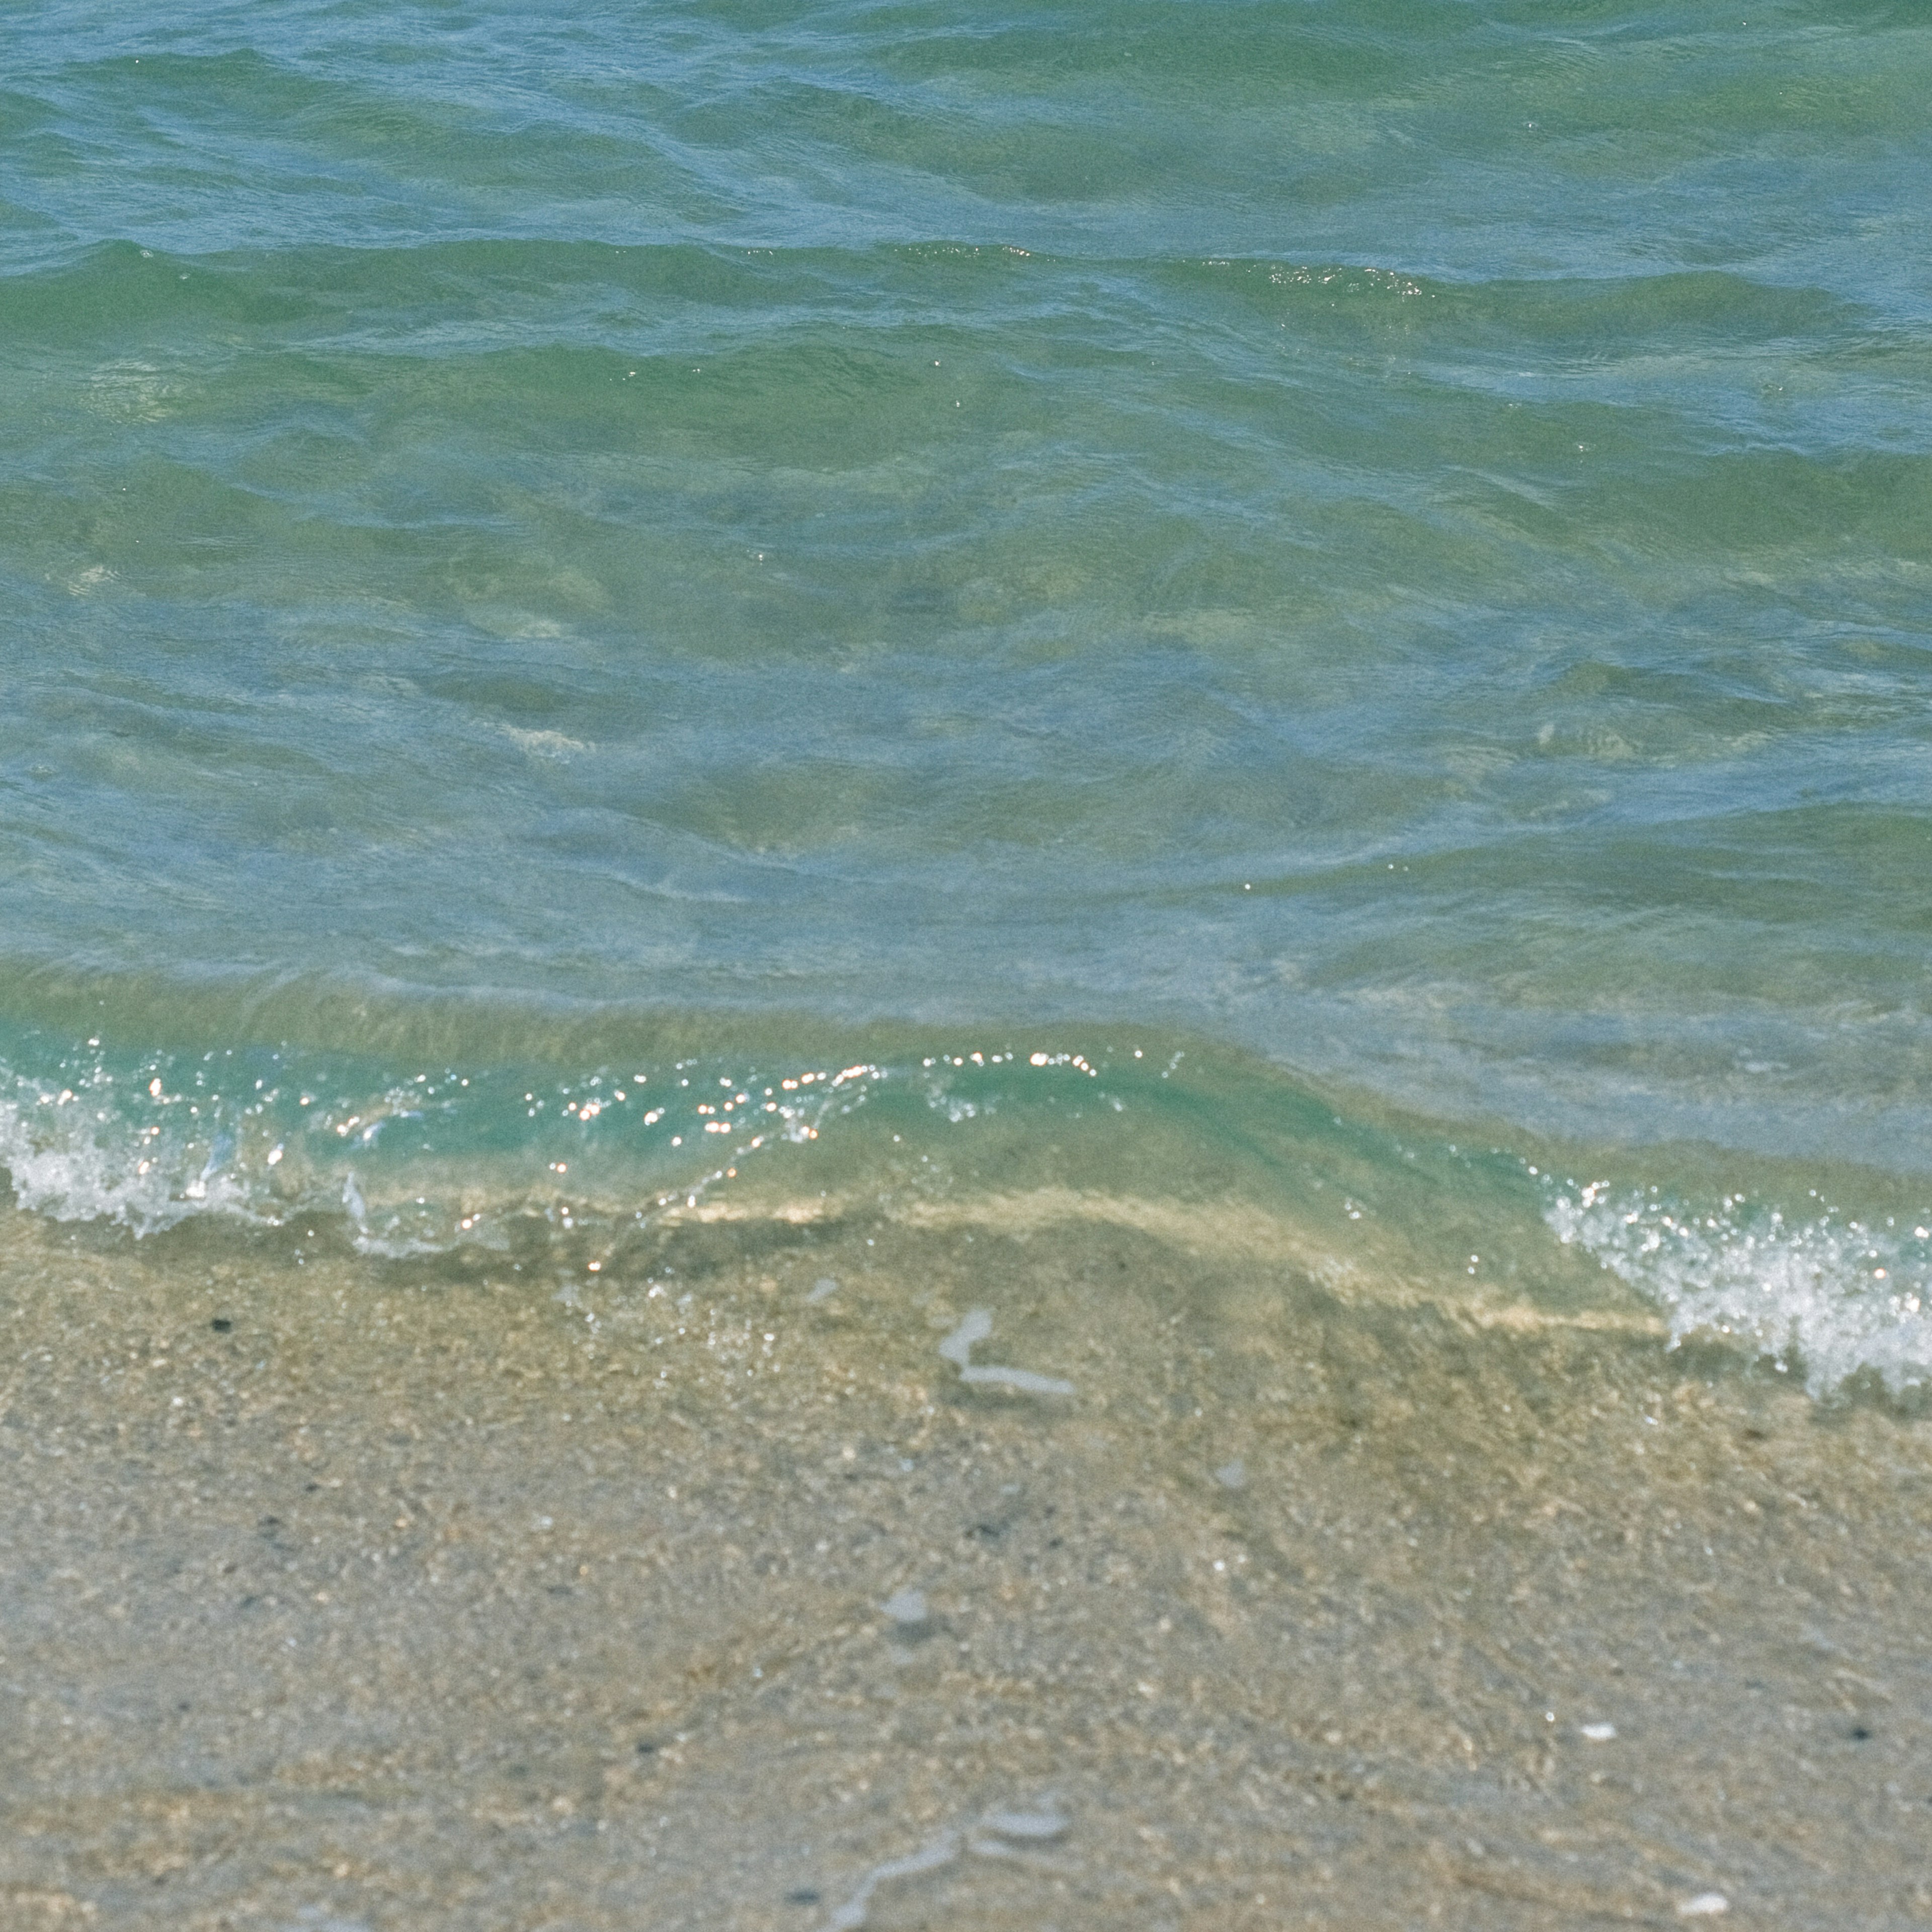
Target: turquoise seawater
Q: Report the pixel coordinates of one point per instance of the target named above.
(1326, 602)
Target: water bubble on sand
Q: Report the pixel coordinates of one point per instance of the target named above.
(907, 1607)
(1232, 1475)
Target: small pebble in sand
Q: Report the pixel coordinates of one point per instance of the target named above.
(821, 1288)
(1232, 1475)
(906, 1607)
(1599, 1734)
(1705, 1905)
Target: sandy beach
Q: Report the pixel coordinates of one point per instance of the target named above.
(702, 1590)
(965, 966)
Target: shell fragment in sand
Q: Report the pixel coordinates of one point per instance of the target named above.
(958, 1346)
(1035, 1827)
(931, 1856)
(999, 1835)
(973, 1328)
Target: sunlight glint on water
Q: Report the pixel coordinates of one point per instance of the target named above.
(1383, 548)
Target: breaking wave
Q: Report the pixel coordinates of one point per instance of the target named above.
(439, 1159)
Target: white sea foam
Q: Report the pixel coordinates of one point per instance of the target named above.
(1832, 1295)
(151, 1144)
(73, 1155)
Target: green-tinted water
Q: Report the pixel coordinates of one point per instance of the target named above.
(1382, 550)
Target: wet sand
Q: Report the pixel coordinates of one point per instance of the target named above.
(504, 1594)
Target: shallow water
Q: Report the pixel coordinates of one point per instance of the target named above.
(1391, 541)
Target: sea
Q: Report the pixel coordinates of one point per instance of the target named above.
(1312, 614)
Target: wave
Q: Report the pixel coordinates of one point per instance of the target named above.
(579, 1165)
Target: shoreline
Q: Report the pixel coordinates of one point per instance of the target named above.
(422, 1595)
